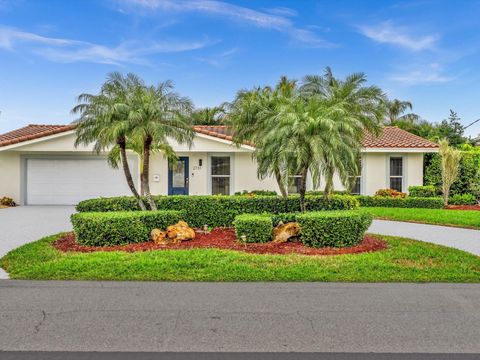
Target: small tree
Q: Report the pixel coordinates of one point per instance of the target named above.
(450, 167)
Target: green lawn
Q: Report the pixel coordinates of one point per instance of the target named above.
(461, 218)
(404, 260)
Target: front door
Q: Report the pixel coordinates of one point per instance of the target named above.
(178, 177)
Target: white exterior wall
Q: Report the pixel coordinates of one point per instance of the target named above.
(10, 175)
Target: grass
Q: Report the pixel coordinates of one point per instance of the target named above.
(404, 261)
(459, 218)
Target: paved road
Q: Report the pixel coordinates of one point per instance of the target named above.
(463, 239)
(326, 317)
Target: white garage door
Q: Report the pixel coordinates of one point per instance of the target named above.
(68, 181)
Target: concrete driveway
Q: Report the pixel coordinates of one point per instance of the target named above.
(24, 224)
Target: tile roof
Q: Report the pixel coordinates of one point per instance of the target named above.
(391, 136)
(394, 137)
(31, 132)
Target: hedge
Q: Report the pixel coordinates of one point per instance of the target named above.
(408, 202)
(122, 227)
(255, 227)
(462, 199)
(422, 191)
(216, 211)
(333, 228)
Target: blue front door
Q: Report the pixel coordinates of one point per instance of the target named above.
(178, 177)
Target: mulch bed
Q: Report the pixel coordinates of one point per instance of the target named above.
(463, 207)
(224, 238)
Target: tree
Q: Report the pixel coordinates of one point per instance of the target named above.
(450, 158)
(104, 119)
(452, 130)
(209, 115)
(396, 109)
(315, 129)
(160, 114)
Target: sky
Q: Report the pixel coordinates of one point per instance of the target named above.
(427, 52)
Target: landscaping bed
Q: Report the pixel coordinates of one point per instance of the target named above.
(224, 238)
(463, 207)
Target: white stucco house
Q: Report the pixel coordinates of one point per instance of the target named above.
(39, 165)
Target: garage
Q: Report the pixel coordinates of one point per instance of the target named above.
(68, 180)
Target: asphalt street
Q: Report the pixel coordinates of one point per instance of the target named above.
(239, 317)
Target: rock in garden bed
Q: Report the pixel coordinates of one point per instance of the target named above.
(224, 238)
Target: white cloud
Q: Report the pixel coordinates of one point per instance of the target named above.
(431, 73)
(387, 33)
(274, 19)
(68, 50)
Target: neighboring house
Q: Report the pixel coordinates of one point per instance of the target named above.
(40, 165)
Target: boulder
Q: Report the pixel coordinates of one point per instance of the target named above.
(180, 232)
(158, 237)
(283, 232)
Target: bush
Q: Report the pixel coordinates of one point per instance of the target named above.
(422, 191)
(462, 199)
(392, 193)
(123, 227)
(216, 211)
(256, 228)
(257, 192)
(333, 228)
(7, 201)
(408, 202)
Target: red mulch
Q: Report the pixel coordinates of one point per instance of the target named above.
(463, 207)
(224, 238)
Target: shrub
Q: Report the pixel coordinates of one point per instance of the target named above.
(333, 228)
(284, 218)
(218, 211)
(408, 202)
(422, 191)
(122, 227)
(7, 201)
(257, 192)
(256, 228)
(390, 193)
(462, 199)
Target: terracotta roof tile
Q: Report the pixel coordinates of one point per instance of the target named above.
(391, 136)
(31, 132)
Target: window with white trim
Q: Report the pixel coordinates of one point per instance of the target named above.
(220, 175)
(294, 185)
(396, 173)
(357, 187)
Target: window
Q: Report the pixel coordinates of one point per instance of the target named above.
(396, 173)
(220, 173)
(294, 185)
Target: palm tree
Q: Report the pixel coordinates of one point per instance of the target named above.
(450, 167)
(160, 114)
(396, 109)
(209, 115)
(104, 120)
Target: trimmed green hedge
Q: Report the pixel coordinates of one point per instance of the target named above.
(333, 228)
(218, 211)
(408, 202)
(256, 228)
(122, 227)
(426, 191)
(462, 199)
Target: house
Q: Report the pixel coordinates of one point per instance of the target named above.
(39, 165)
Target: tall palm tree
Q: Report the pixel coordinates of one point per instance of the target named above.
(160, 114)
(104, 120)
(396, 111)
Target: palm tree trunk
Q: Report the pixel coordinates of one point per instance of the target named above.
(303, 188)
(146, 172)
(128, 175)
(328, 184)
(280, 183)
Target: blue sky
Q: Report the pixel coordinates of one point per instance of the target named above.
(51, 51)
